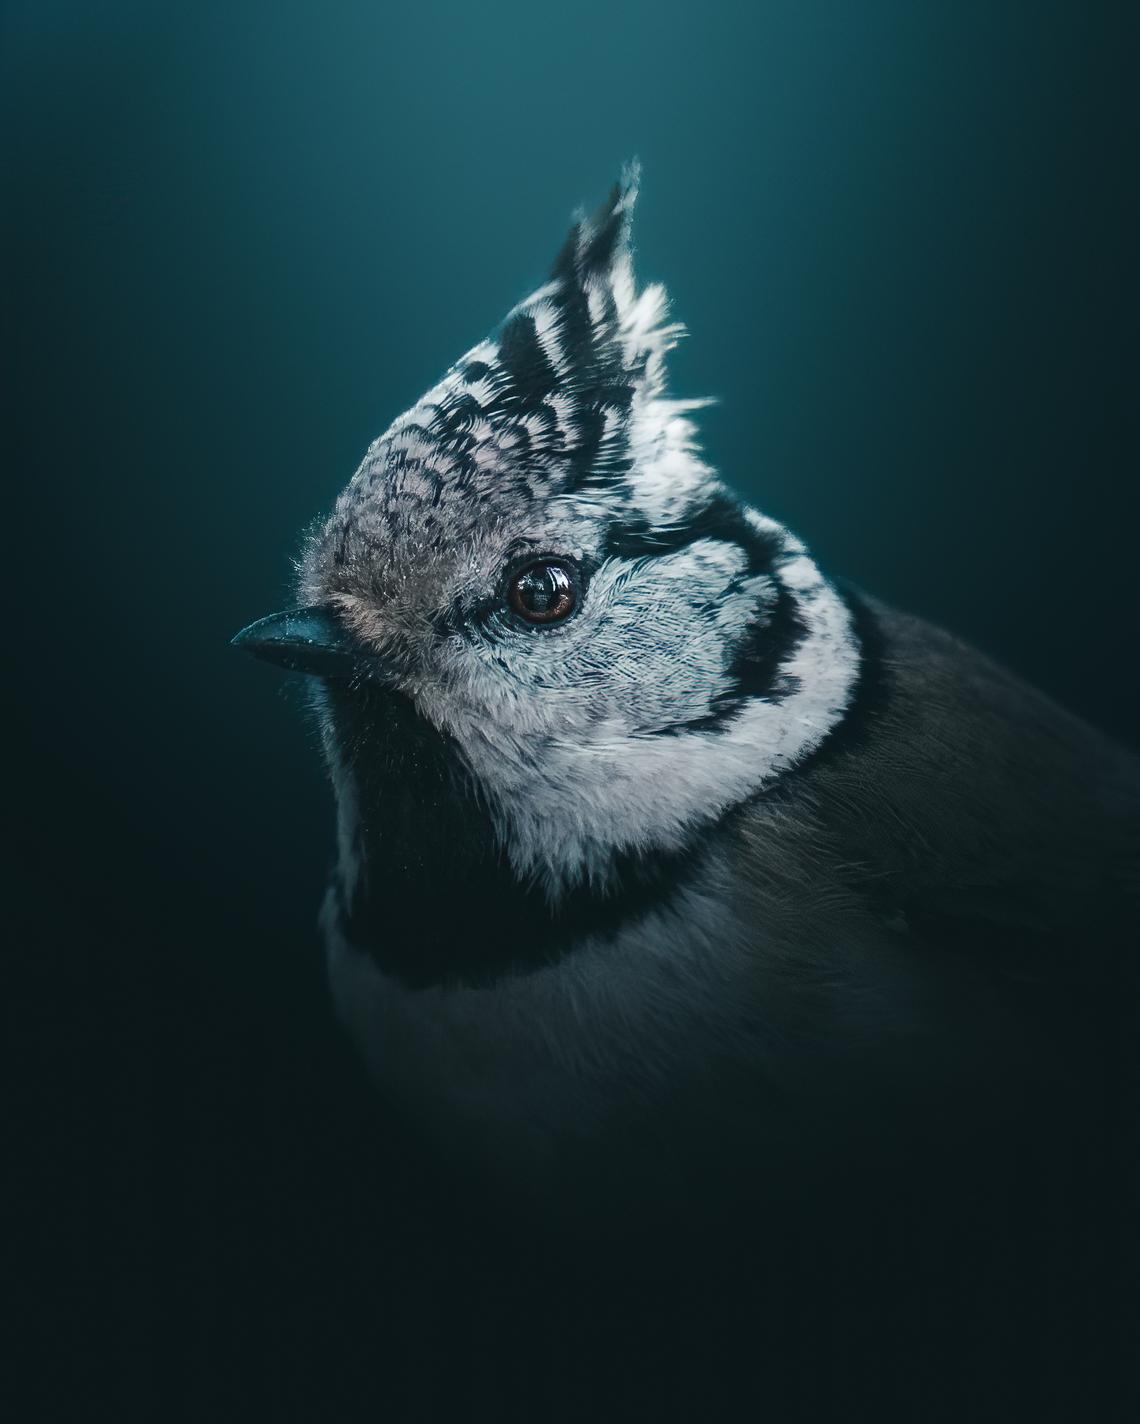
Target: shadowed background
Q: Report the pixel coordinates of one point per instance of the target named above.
(239, 240)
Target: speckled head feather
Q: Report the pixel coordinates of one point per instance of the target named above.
(564, 401)
(706, 654)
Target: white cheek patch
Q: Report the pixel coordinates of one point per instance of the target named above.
(584, 753)
(648, 647)
(652, 792)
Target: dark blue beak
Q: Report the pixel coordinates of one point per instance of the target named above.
(307, 640)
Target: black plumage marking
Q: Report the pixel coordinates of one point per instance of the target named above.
(721, 517)
(452, 422)
(590, 245)
(596, 378)
(436, 899)
(591, 427)
(533, 378)
(576, 325)
(755, 669)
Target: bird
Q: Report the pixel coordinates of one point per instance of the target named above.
(664, 857)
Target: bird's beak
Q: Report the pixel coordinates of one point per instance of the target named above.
(304, 640)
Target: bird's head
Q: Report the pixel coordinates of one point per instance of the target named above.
(535, 598)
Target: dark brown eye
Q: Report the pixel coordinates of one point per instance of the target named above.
(543, 592)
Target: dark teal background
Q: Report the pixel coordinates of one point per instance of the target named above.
(240, 238)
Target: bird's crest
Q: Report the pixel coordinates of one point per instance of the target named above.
(566, 396)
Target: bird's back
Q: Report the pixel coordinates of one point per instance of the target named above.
(981, 843)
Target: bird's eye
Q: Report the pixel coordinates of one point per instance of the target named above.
(544, 592)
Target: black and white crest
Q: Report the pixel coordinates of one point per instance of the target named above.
(707, 654)
(566, 398)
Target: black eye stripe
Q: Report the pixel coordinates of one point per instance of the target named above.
(720, 518)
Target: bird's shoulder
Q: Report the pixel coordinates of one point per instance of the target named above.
(956, 802)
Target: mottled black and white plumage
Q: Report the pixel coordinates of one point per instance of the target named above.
(723, 837)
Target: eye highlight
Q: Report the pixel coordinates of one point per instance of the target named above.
(543, 592)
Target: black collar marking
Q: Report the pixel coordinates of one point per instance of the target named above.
(755, 670)
(436, 898)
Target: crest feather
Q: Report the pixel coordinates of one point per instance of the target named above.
(567, 396)
(594, 245)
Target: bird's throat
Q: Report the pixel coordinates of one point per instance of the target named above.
(423, 884)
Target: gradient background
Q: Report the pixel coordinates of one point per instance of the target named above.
(240, 238)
